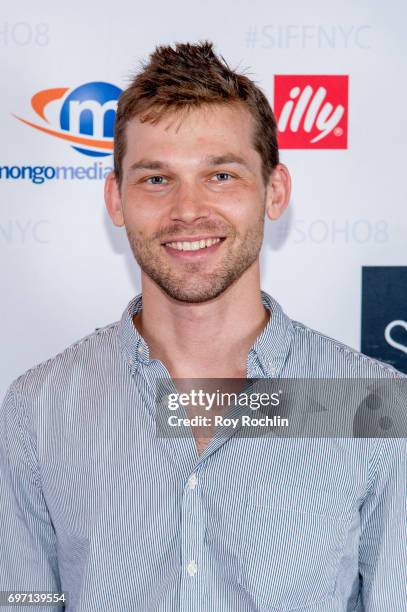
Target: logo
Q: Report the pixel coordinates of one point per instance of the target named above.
(311, 111)
(84, 116)
(389, 338)
(384, 314)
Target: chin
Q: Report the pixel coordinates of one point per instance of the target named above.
(195, 295)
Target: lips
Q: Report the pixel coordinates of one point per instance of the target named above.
(197, 254)
(196, 238)
(193, 246)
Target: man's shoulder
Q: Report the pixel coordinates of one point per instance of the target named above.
(334, 358)
(85, 352)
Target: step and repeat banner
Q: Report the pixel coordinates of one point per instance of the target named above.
(335, 76)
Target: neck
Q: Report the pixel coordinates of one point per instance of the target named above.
(205, 340)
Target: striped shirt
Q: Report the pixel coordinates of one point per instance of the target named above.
(95, 504)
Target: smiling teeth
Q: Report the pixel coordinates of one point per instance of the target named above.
(193, 246)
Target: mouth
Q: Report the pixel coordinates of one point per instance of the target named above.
(194, 249)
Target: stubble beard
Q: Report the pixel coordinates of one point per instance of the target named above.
(189, 282)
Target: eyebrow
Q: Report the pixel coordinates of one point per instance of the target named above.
(212, 160)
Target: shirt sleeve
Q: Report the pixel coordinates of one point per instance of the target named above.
(383, 541)
(28, 559)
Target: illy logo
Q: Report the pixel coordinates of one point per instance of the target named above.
(311, 111)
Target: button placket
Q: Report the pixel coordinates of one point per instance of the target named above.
(192, 534)
(192, 568)
(192, 481)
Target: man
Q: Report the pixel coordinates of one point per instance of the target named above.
(93, 501)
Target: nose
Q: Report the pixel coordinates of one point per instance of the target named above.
(189, 203)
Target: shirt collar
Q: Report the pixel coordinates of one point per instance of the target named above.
(133, 345)
(271, 347)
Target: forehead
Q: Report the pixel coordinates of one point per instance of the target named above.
(207, 129)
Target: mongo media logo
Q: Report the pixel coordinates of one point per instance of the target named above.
(86, 116)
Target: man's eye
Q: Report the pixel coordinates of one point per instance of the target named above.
(156, 180)
(223, 176)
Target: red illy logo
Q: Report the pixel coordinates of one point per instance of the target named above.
(311, 111)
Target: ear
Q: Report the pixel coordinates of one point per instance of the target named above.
(278, 192)
(113, 200)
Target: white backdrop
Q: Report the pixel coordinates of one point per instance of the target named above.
(65, 270)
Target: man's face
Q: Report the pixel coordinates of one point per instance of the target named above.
(194, 180)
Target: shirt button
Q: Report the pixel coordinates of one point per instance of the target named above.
(192, 481)
(140, 349)
(192, 568)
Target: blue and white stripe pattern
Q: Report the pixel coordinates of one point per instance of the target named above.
(92, 502)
